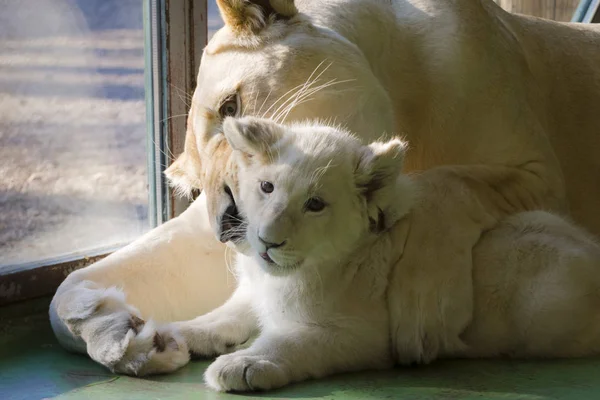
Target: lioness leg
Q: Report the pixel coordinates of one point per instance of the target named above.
(536, 290)
(174, 272)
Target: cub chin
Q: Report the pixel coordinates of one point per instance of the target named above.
(332, 281)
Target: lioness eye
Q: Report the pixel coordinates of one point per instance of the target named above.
(267, 187)
(229, 107)
(314, 204)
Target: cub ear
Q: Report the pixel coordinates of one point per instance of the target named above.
(251, 16)
(379, 165)
(252, 136)
(379, 178)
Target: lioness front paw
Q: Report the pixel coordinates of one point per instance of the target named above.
(153, 350)
(116, 336)
(241, 373)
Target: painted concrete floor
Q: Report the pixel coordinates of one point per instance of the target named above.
(33, 366)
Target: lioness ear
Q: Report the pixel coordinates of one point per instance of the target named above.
(379, 178)
(251, 16)
(251, 136)
(182, 175)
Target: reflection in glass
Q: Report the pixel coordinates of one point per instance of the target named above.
(72, 127)
(214, 18)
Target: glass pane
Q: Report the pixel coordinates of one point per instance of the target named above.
(73, 174)
(214, 18)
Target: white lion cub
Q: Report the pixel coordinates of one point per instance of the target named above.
(314, 199)
(333, 287)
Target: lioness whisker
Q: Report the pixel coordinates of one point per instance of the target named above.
(310, 91)
(300, 99)
(280, 98)
(250, 93)
(167, 155)
(307, 85)
(255, 101)
(180, 90)
(179, 94)
(173, 116)
(299, 87)
(264, 101)
(304, 87)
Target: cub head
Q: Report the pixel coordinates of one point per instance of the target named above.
(270, 60)
(311, 193)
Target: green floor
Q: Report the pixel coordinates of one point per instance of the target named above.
(33, 366)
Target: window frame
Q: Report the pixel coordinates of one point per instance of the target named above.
(587, 12)
(178, 38)
(175, 33)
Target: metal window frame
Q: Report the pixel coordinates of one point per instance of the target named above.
(175, 33)
(587, 12)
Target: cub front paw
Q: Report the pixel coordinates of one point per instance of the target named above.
(241, 373)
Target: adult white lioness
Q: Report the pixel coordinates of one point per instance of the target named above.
(509, 101)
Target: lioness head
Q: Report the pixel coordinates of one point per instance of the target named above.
(270, 60)
(310, 193)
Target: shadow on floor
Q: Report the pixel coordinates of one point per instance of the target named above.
(33, 366)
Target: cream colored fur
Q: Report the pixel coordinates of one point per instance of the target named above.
(503, 105)
(324, 299)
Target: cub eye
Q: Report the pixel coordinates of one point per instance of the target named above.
(229, 107)
(314, 204)
(267, 187)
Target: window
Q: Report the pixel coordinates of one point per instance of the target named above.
(558, 10)
(588, 11)
(73, 173)
(93, 104)
(214, 18)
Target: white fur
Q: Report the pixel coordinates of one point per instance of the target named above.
(92, 310)
(326, 309)
(500, 99)
(321, 307)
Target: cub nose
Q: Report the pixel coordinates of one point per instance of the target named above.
(271, 245)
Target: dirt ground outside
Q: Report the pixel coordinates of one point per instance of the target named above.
(72, 126)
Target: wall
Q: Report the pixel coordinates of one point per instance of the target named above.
(559, 10)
